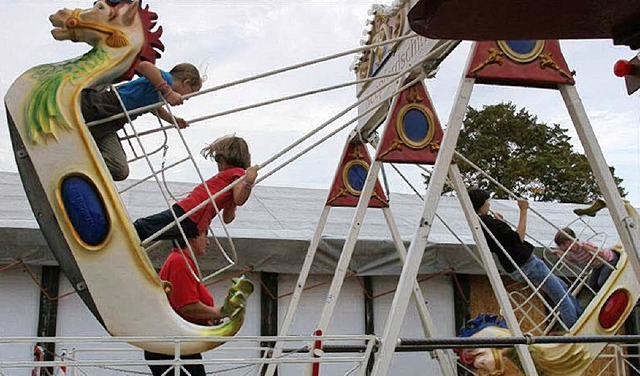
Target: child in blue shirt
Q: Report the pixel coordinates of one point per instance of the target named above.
(149, 88)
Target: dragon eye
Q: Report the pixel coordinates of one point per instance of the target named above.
(71, 23)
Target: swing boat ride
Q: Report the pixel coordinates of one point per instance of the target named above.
(88, 228)
(76, 203)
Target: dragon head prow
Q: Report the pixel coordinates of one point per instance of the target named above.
(124, 27)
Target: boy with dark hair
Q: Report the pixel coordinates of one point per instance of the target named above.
(521, 252)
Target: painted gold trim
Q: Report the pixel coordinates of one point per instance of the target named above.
(345, 175)
(400, 130)
(522, 58)
(606, 290)
(377, 55)
(113, 197)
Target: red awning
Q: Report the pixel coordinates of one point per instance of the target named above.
(528, 19)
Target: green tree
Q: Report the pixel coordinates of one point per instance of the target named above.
(532, 159)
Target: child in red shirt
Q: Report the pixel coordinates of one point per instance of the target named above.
(189, 298)
(232, 157)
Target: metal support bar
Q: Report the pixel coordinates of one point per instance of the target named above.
(490, 267)
(351, 240)
(345, 257)
(446, 365)
(269, 308)
(418, 244)
(348, 248)
(48, 312)
(419, 241)
(627, 229)
(459, 342)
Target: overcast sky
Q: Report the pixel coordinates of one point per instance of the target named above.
(230, 40)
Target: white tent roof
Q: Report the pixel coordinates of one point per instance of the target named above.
(273, 230)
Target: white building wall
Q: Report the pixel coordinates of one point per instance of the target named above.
(19, 315)
(75, 320)
(348, 317)
(20, 301)
(439, 295)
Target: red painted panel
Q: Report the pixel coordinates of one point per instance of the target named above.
(413, 132)
(350, 176)
(495, 63)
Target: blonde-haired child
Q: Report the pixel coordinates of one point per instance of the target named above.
(233, 159)
(99, 103)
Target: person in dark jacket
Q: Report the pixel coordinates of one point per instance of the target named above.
(525, 262)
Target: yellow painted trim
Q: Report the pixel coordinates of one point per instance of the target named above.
(623, 317)
(598, 300)
(522, 58)
(379, 52)
(110, 193)
(430, 119)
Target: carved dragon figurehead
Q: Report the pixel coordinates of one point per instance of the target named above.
(124, 27)
(121, 34)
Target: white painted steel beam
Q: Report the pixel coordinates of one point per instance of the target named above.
(447, 366)
(491, 268)
(419, 242)
(629, 235)
(347, 250)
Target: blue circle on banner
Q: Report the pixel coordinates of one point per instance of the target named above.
(522, 51)
(356, 175)
(522, 47)
(415, 125)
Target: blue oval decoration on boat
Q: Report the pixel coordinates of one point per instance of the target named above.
(85, 210)
(415, 126)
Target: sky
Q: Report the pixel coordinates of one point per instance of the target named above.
(231, 40)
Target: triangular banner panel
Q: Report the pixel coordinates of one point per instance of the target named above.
(528, 63)
(413, 132)
(350, 178)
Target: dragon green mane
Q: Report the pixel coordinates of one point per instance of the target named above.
(43, 116)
